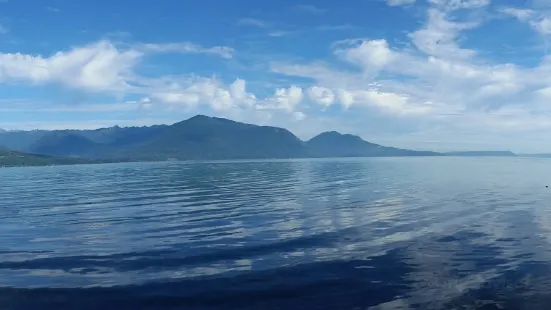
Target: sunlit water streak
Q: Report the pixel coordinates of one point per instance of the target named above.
(381, 233)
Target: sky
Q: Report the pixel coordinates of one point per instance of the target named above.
(422, 74)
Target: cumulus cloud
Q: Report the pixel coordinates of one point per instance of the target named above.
(285, 99)
(192, 92)
(96, 67)
(371, 55)
(180, 93)
(321, 95)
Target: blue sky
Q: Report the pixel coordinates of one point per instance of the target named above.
(423, 74)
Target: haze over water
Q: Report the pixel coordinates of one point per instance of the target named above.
(381, 233)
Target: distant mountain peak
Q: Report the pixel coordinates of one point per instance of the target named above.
(332, 132)
(335, 135)
(199, 116)
(204, 118)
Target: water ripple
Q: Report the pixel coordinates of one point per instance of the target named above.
(399, 233)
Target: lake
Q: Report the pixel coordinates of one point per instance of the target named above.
(378, 233)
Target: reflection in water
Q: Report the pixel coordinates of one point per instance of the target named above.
(399, 233)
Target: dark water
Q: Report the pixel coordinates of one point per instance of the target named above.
(419, 233)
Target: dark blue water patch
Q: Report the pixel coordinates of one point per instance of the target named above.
(448, 239)
(462, 236)
(167, 259)
(485, 257)
(324, 285)
(522, 256)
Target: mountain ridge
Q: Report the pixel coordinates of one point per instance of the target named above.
(204, 137)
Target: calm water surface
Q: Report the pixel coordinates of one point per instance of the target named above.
(397, 233)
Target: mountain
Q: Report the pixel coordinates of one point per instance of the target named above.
(121, 135)
(20, 140)
(483, 153)
(66, 144)
(25, 141)
(203, 137)
(10, 158)
(334, 144)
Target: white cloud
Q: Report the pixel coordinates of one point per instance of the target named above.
(522, 14)
(399, 2)
(187, 47)
(388, 102)
(189, 93)
(96, 67)
(321, 95)
(346, 98)
(285, 99)
(210, 92)
(180, 94)
(438, 36)
(451, 5)
(4, 29)
(370, 55)
(539, 21)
